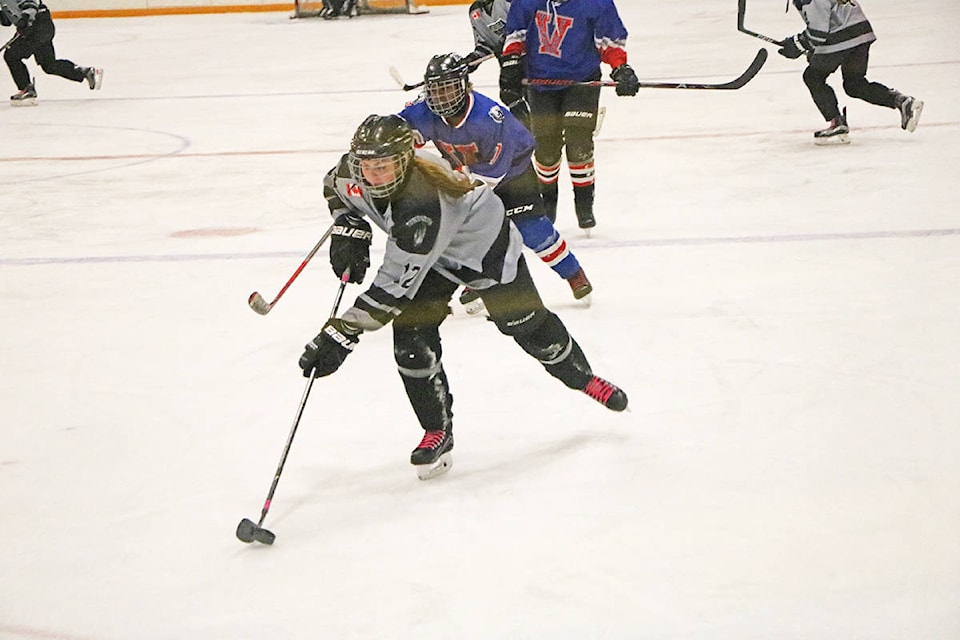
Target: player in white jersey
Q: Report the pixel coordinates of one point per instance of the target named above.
(838, 36)
(444, 231)
(35, 32)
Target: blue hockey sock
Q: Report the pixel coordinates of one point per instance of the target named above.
(540, 235)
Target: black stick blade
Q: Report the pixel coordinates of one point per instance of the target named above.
(264, 537)
(246, 531)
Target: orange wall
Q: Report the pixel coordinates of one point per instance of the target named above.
(175, 10)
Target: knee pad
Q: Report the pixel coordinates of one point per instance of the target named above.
(417, 353)
(541, 334)
(580, 147)
(553, 346)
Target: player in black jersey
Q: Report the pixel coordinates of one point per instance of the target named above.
(445, 231)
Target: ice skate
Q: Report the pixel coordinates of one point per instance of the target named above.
(432, 456)
(910, 109)
(583, 207)
(471, 301)
(580, 286)
(25, 97)
(606, 393)
(94, 77)
(837, 132)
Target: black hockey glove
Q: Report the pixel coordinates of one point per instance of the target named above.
(472, 59)
(511, 80)
(326, 352)
(350, 246)
(794, 47)
(521, 111)
(23, 24)
(627, 82)
(4, 20)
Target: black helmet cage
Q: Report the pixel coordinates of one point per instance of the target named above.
(446, 83)
(382, 137)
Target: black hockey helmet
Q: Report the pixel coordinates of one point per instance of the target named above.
(446, 84)
(386, 138)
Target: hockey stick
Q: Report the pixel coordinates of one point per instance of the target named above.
(247, 531)
(395, 73)
(741, 13)
(10, 41)
(736, 83)
(261, 306)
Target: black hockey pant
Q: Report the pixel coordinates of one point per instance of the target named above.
(39, 43)
(516, 309)
(565, 118)
(853, 64)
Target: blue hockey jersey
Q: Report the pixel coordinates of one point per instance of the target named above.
(489, 141)
(566, 39)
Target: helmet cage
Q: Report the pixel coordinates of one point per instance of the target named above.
(446, 84)
(388, 139)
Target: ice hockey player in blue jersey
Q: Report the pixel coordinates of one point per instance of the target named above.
(564, 40)
(475, 133)
(838, 36)
(444, 231)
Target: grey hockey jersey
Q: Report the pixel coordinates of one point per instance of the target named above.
(834, 25)
(488, 18)
(468, 239)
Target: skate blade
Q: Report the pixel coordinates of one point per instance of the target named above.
(474, 307)
(915, 119)
(438, 468)
(843, 138)
(26, 102)
(586, 300)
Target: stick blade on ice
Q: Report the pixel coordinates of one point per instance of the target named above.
(246, 531)
(258, 304)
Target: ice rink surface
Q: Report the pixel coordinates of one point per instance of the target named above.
(784, 318)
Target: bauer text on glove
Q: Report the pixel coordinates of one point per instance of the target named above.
(350, 246)
(326, 352)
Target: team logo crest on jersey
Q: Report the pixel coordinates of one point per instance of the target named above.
(496, 113)
(418, 226)
(552, 42)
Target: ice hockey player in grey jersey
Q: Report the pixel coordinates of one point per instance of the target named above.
(487, 20)
(35, 32)
(838, 36)
(444, 232)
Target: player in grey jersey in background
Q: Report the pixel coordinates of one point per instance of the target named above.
(444, 232)
(35, 32)
(487, 20)
(838, 36)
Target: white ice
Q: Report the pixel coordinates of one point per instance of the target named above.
(783, 317)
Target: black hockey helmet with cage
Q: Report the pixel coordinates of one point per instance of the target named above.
(382, 138)
(446, 83)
